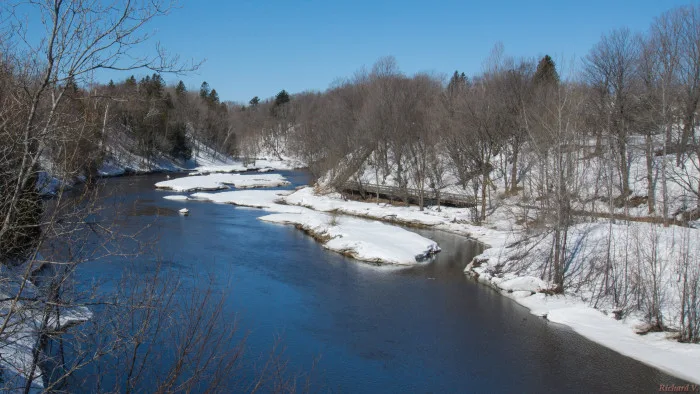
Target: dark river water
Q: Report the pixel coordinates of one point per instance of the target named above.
(425, 329)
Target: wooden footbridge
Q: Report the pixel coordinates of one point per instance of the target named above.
(401, 194)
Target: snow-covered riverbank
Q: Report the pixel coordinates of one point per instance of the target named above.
(221, 181)
(204, 160)
(498, 268)
(24, 324)
(365, 240)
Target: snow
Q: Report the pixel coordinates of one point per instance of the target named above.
(176, 197)
(508, 269)
(361, 239)
(20, 335)
(679, 359)
(262, 199)
(524, 283)
(220, 181)
(364, 240)
(224, 168)
(122, 157)
(503, 267)
(260, 165)
(455, 220)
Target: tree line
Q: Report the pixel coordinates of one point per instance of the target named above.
(613, 135)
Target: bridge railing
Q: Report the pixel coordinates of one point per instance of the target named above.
(428, 194)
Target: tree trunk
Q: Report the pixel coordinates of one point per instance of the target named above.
(484, 185)
(651, 184)
(624, 169)
(514, 169)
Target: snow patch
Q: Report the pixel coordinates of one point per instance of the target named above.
(221, 181)
(364, 240)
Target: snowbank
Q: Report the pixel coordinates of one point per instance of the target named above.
(630, 247)
(220, 181)
(260, 165)
(364, 240)
(455, 220)
(225, 168)
(262, 199)
(655, 349)
(507, 267)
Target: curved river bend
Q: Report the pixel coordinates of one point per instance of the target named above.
(421, 329)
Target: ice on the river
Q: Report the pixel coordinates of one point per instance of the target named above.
(221, 181)
(176, 197)
(362, 239)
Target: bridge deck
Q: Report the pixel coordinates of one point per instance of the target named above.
(429, 195)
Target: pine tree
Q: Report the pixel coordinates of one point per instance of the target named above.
(213, 97)
(180, 89)
(546, 72)
(204, 91)
(281, 98)
(456, 82)
(157, 85)
(254, 101)
(130, 82)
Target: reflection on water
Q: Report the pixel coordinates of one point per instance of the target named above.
(141, 209)
(420, 329)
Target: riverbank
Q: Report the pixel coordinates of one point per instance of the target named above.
(502, 266)
(498, 267)
(361, 239)
(424, 327)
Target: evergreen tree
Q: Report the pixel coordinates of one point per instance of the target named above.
(546, 72)
(456, 82)
(152, 86)
(130, 82)
(178, 139)
(213, 97)
(254, 101)
(204, 91)
(157, 85)
(281, 98)
(180, 89)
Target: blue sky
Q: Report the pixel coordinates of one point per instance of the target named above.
(256, 48)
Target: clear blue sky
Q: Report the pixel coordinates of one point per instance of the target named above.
(256, 48)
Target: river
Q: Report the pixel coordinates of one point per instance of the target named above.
(423, 329)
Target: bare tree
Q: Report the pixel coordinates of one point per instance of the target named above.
(41, 78)
(611, 67)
